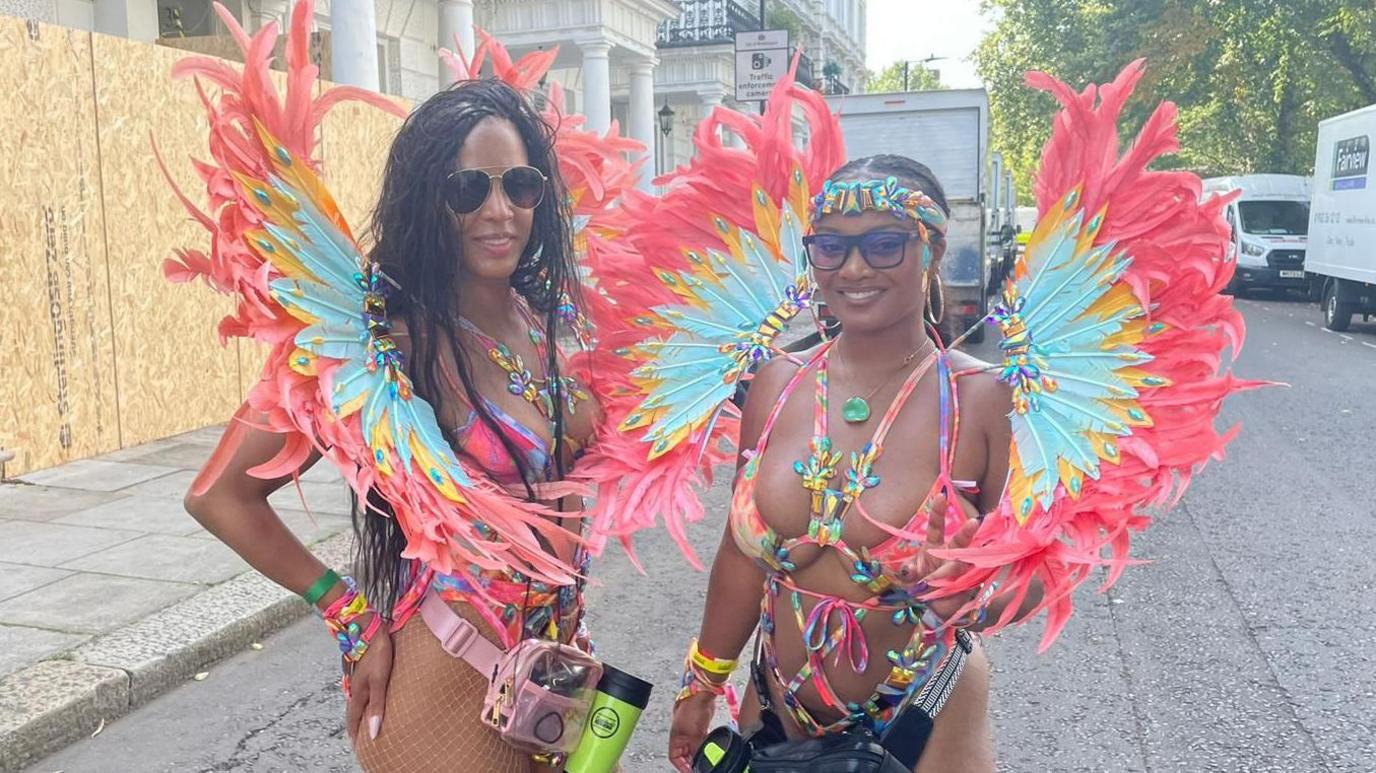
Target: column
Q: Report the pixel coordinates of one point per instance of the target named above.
(597, 85)
(456, 18)
(130, 19)
(710, 101)
(353, 43)
(641, 116)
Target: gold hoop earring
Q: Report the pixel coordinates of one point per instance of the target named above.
(936, 300)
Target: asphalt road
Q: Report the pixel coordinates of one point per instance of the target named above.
(1248, 643)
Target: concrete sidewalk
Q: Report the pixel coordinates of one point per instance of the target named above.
(111, 594)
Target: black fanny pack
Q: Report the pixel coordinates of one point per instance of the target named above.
(848, 752)
(856, 751)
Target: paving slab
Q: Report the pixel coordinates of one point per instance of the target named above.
(166, 453)
(309, 528)
(158, 515)
(52, 544)
(131, 453)
(21, 646)
(16, 579)
(171, 486)
(167, 647)
(320, 498)
(315, 526)
(323, 472)
(43, 503)
(96, 475)
(206, 437)
(43, 707)
(165, 557)
(91, 603)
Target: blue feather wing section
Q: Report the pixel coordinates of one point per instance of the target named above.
(734, 303)
(330, 286)
(1069, 327)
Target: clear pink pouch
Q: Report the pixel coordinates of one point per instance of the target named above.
(540, 696)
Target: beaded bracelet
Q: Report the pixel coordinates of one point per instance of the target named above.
(342, 617)
(978, 615)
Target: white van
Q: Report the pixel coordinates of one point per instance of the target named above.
(1270, 223)
(1343, 258)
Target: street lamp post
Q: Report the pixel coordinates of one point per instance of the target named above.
(928, 60)
(666, 127)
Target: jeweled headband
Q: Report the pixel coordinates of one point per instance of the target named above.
(852, 198)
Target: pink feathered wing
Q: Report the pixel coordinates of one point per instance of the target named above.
(1178, 244)
(439, 530)
(633, 492)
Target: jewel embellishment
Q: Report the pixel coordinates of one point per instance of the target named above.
(856, 410)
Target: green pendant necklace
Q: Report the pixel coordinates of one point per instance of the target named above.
(856, 409)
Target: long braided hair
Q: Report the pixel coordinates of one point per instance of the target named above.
(417, 244)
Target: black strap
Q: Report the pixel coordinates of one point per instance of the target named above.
(771, 727)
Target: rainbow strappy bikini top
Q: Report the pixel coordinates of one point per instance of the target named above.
(886, 570)
(480, 442)
(880, 568)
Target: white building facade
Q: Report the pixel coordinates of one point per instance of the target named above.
(619, 60)
(697, 55)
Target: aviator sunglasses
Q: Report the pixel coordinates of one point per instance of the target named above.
(466, 190)
(880, 249)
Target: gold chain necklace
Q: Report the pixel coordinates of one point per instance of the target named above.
(856, 409)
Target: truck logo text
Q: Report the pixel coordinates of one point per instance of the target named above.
(1350, 159)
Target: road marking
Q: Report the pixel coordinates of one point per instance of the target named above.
(1345, 338)
(1368, 343)
(1311, 324)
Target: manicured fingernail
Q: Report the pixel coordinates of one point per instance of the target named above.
(374, 725)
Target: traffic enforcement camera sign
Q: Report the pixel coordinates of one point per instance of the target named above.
(761, 60)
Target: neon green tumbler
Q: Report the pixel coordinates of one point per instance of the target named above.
(615, 710)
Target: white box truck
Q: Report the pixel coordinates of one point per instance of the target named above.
(947, 130)
(1270, 224)
(1342, 223)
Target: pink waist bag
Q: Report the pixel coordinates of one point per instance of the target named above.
(539, 692)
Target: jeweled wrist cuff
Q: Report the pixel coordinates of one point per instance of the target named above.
(342, 618)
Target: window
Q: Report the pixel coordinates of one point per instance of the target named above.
(193, 18)
(1274, 218)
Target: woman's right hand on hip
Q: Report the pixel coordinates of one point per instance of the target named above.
(368, 687)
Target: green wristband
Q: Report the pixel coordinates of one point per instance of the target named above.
(320, 587)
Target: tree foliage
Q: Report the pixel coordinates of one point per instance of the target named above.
(779, 18)
(1252, 77)
(920, 78)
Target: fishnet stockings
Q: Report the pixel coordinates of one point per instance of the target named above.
(433, 701)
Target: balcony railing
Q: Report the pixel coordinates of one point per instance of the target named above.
(707, 22)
